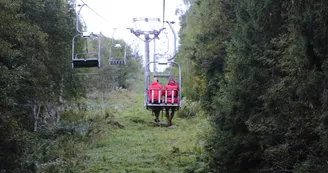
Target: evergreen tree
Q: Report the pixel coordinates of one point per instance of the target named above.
(267, 101)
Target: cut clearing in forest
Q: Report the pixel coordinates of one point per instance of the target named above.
(132, 142)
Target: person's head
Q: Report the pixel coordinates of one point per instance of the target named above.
(171, 79)
(155, 79)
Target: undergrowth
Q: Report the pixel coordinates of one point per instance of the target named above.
(61, 147)
(143, 146)
(190, 109)
(117, 134)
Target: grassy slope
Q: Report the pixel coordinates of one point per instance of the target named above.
(139, 145)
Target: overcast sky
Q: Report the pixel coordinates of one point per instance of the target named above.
(119, 13)
(111, 14)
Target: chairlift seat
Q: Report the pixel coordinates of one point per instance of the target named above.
(162, 105)
(85, 63)
(151, 106)
(131, 55)
(117, 62)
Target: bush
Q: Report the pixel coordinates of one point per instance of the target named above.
(62, 147)
(190, 109)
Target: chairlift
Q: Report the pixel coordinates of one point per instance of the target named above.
(163, 60)
(175, 94)
(86, 59)
(150, 102)
(117, 52)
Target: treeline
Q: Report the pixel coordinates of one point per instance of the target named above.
(35, 39)
(111, 77)
(37, 81)
(259, 69)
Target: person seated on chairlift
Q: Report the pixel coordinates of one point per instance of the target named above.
(170, 90)
(154, 97)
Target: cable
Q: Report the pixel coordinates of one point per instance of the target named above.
(135, 26)
(150, 26)
(163, 12)
(97, 13)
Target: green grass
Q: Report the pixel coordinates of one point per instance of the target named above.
(136, 144)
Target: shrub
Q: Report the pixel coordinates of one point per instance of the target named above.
(190, 109)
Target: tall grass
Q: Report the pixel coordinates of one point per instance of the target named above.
(117, 134)
(143, 146)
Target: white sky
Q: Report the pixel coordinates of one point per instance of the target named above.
(119, 14)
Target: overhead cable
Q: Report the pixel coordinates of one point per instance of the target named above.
(97, 13)
(163, 12)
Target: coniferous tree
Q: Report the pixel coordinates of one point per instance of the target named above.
(268, 101)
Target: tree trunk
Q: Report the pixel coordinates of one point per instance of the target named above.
(36, 113)
(60, 100)
(48, 107)
(35, 126)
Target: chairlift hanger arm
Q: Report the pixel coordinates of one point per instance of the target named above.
(77, 17)
(113, 36)
(163, 12)
(175, 40)
(168, 45)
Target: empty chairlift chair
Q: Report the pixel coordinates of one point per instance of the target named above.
(117, 55)
(117, 52)
(86, 59)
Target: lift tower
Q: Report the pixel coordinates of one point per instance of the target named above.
(149, 35)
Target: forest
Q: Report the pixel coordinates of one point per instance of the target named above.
(41, 96)
(254, 86)
(259, 69)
